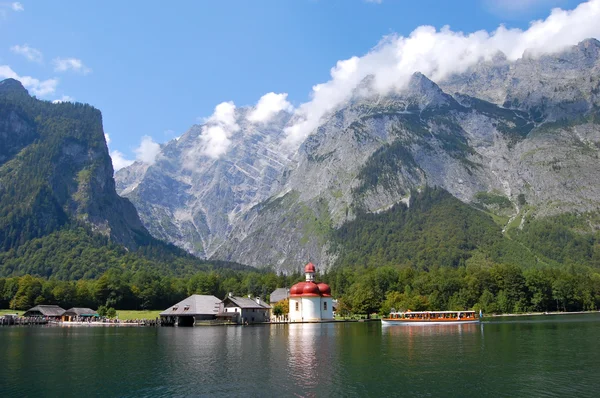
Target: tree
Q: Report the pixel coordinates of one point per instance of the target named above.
(29, 291)
(111, 313)
(281, 307)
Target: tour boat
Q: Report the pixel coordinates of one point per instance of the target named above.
(431, 318)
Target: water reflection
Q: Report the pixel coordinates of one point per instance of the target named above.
(309, 355)
(429, 330)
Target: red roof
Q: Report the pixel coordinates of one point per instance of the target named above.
(310, 289)
(324, 289)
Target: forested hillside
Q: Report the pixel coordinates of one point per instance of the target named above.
(437, 230)
(60, 216)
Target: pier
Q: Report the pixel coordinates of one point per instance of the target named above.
(22, 321)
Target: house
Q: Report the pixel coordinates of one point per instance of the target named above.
(80, 314)
(193, 309)
(247, 309)
(45, 311)
(279, 294)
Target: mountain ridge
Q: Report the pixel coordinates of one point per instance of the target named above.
(515, 139)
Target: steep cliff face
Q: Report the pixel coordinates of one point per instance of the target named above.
(55, 170)
(190, 199)
(514, 139)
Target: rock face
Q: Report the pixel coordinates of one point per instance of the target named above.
(55, 170)
(191, 199)
(512, 137)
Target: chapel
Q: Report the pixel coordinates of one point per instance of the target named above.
(310, 301)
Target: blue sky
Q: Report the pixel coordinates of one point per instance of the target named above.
(154, 68)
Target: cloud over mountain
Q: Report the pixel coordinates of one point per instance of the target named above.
(269, 105)
(37, 87)
(438, 54)
(218, 129)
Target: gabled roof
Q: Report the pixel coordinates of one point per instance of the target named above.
(45, 310)
(196, 304)
(77, 311)
(247, 302)
(279, 294)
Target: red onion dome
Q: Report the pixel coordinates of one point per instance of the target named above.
(309, 268)
(296, 289)
(310, 289)
(324, 289)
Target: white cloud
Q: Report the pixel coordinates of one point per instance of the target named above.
(73, 64)
(374, 1)
(6, 7)
(437, 54)
(30, 53)
(519, 6)
(216, 133)
(147, 151)
(64, 98)
(268, 106)
(119, 161)
(37, 87)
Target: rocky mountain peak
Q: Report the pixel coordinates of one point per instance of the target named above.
(425, 93)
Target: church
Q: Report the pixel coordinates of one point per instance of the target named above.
(310, 301)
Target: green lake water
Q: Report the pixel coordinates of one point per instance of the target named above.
(545, 356)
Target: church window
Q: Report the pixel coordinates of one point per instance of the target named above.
(297, 306)
(325, 306)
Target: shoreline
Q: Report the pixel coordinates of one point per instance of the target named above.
(539, 314)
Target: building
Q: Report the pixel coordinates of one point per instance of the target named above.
(310, 301)
(245, 309)
(79, 314)
(278, 295)
(45, 311)
(193, 309)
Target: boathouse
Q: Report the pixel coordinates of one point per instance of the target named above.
(188, 312)
(77, 313)
(310, 301)
(45, 311)
(246, 309)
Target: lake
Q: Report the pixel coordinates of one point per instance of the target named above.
(553, 356)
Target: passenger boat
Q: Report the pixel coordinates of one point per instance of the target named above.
(431, 318)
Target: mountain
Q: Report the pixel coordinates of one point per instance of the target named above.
(59, 211)
(191, 199)
(517, 141)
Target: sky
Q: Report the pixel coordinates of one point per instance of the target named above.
(155, 68)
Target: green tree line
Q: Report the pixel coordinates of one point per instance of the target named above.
(140, 290)
(480, 284)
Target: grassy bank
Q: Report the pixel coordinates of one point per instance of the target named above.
(123, 314)
(4, 312)
(131, 314)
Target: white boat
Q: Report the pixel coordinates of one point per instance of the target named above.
(431, 318)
